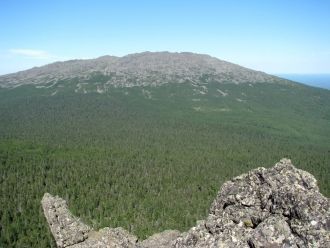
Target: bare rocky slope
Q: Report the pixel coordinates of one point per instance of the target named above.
(276, 207)
(148, 68)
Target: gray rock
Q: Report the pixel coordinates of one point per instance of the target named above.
(161, 240)
(276, 207)
(69, 231)
(140, 69)
(66, 228)
(273, 232)
(109, 238)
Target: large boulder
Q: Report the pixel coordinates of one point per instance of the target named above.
(276, 207)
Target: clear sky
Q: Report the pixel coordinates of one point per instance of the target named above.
(275, 36)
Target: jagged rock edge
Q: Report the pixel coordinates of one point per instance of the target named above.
(280, 206)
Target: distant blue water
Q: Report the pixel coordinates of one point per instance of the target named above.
(317, 80)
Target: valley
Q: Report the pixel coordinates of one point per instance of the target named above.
(142, 154)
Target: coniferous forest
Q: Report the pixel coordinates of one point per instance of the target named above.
(147, 163)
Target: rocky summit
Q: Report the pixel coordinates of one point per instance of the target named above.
(139, 69)
(276, 207)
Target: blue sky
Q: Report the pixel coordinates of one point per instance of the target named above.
(279, 36)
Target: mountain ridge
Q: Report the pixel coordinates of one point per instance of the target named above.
(146, 68)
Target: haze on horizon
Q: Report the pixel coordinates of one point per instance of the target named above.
(272, 36)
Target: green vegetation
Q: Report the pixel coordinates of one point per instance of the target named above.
(122, 159)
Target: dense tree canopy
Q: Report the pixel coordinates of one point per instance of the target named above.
(147, 163)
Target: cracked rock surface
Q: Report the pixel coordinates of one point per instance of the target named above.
(276, 207)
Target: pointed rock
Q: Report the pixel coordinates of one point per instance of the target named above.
(276, 207)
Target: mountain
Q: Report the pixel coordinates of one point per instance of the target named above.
(142, 69)
(144, 141)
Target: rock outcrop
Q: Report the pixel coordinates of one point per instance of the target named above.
(276, 207)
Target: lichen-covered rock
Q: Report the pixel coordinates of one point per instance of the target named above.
(273, 232)
(276, 207)
(161, 240)
(69, 231)
(66, 228)
(109, 238)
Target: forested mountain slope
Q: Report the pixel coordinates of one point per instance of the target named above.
(145, 145)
